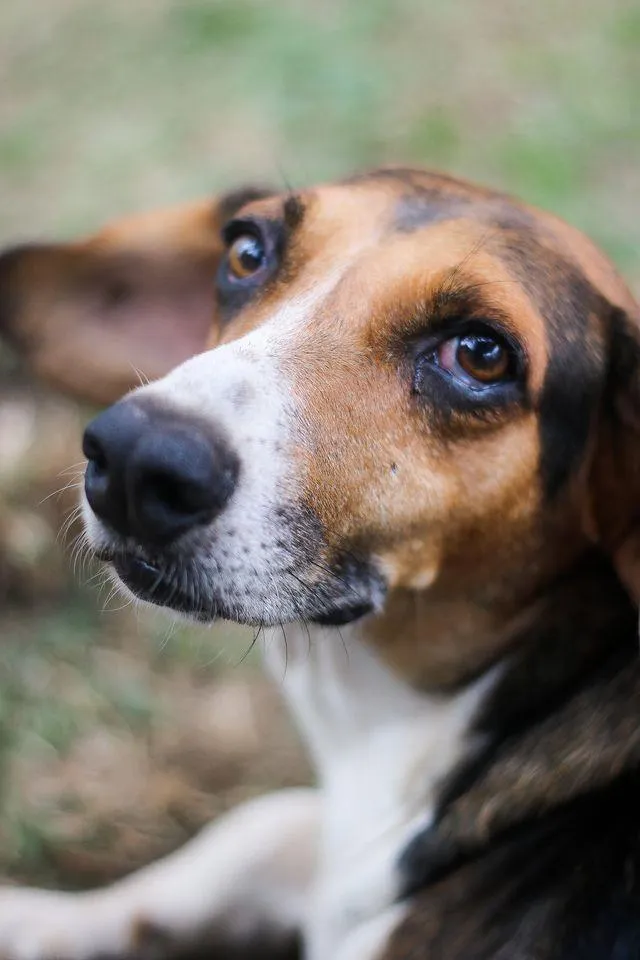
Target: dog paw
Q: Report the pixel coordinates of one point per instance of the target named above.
(47, 925)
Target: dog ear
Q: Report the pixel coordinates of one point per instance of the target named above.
(614, 492)
(129, 303)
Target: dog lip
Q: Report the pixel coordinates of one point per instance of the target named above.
(104, 555)
(150, 582)
(139, 574)
(342, 614)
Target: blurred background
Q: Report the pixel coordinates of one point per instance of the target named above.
(118, 736)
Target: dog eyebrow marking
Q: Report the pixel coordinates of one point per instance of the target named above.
(423, 206)
(234, 200)
(293, 210)
(416, 210)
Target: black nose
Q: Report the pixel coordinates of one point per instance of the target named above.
(154, 474)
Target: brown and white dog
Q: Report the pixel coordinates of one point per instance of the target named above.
(407, 445)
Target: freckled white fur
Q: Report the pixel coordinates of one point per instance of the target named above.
(245, 559)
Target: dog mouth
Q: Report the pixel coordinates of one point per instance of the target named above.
(162, 587)
(177, 585)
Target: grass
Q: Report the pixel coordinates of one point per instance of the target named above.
(114, 106)
(106, 108)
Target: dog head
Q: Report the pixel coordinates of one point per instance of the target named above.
(407, 390)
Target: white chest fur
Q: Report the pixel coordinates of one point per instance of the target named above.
(381, 749)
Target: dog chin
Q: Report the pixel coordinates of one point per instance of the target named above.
(150, 583)
(166, 588)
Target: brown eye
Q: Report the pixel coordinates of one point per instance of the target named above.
(246, 256)
(483, 358)
(477, 357)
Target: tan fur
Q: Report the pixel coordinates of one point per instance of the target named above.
(95, 316)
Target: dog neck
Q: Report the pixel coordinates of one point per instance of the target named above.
(419, 769)
(381, 749)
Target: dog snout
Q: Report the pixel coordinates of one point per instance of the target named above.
(153, 474)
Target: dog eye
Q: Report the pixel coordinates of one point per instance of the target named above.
(477, 358)
(246, 257)
(254, 250)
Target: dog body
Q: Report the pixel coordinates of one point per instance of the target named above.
(407, 451)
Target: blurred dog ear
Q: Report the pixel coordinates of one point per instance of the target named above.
(614, 509)
(129, 303)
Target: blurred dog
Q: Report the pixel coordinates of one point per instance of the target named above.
(406, 445)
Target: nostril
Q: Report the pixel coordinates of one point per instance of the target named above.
(178, 480)
(168, 499)
(96, 483)
(95, 475)
(176, 493)
(94, 452)
(107, 443)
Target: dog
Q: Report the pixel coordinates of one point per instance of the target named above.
(396, 430)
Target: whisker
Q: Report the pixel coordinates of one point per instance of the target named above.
(143, 379)
(344, 645)
(305, 624)
(286, 651)
(71, 485)
(128, 601)
(288, 186)
(74, 515)
(112, 593)
(94, 577)
(250, 647)
(475, 249)
(75, 468)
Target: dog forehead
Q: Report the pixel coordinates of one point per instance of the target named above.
(367, 212)
(369, 252)
(362, 285)
(377, 199)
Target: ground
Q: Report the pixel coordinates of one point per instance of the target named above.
(120, 736)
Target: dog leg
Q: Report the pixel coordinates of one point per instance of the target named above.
(370, 940)
(241, 884)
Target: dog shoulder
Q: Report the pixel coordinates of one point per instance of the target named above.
(564, 888)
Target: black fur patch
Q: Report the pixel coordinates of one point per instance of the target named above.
(564, 887)
(228, 204)
(583, 637)
(421, 208)
(293, 211)
(575, 370)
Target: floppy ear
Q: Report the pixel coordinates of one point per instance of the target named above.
(130, 302)
(615, 477)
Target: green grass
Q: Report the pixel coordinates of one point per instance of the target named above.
(114, 106)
